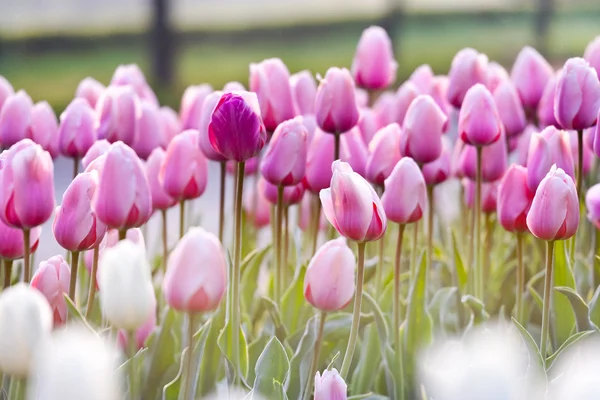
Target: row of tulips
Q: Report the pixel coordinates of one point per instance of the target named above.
(362, 157)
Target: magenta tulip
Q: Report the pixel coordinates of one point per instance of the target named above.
(284, 162)
(514, 199)
(423, 78)
(438, 170)
(160, 198)
(384, 154)
(592, 203)
(545, 110)
(330, 386)
(52, 280)
(11, 241)
(422, 130)
(592, 54)
(354, 151)
(496, 75)
(335, 104)
(132, 75)
(291, 194)
(118, 110)
(468, 68)
(150, 132)
(89, 90)
(479, 123)
(270, 80)
(98, 149)
(549, 147)
(530, 74)
(510, 109)
(77, 132)
(489, 193)
(318, 162)
(304, 91)
(405, 95)
(15, 117)
(374, 66)
(191, 105)
(6, 90)
(405, 196)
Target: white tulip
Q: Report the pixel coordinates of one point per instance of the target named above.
(75, 364)
(25, 321)
(575, 372)
(126, 292)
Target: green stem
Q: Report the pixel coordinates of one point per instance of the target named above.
(222, 200)
(547, 299)
(14, 388)
(315, 361)
(477, 211)
(596, 263)
(122, 234)
(75, 166)
(430, 202)
(286, 245)
(236, 275)
(413, 251)
(181, 218)
(26, 256)
(379, 270)
(336, 148)
(277, 284)
(92, 289)
(579, 187)
(131, 344)
(520, 280)
(356, 312)
(471, 250)
(188, 362)
(8, 264)
(316, 222)
(74, 267)
(397, 319)
(165, 242)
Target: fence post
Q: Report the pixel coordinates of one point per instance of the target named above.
(162, 44)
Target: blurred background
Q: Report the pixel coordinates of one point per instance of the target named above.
(48, 46)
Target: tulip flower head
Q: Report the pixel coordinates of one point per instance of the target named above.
(405, 196)
(510, 108)
(15, 116)
(150, 132)
(422, 130)
(374, 66)
(52, 280)
(89, 90)
(530, 74)
(43, 127)
(335, 104)
(489, 195)
(192, 103)
(493, 161)
(11, 241)
(438, 170)
(368, 124)
(545, 110)
(6, 90)
(400, 103)
(354, 151)
(479, 123)
(118, 110)
(205, 116)
(384, 154)
(77, 130)
(131, 75)
(99, 148)
(514, 199)
(423, 77)
(141, 333)
(330, 386)
(496, 75)
(551, 146)
(291, 194)
(256, 205)
(318, 161)
(592, 54)
(592, 203)
(170, 123)
(468, 68)
(304, 91)
(161, 200)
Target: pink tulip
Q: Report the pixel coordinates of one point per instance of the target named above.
(304, 223)
(588, 154)
(384, 108)
(496, 75)
(98, 149)
(479, 123)
(184, 171)
(523, 141)
(191, 105)
(423, 78)
(384, 154)
(43, 127)
(76, 132)
(489, 193)
(592, 54)
(304, 91)
(284, 162)
(318, 162)
(149, 132)
(439, 92)
(15, 117)
(6, 90)
(362, 97)
(457, 159)
(549, 147)
(405, 196)
(270, 80)
(438, 170)
(422, 130)
(329, 280)
(52, 280)
(132, 75)
(123, 199)
(335, 104)
(510, 109)
(27, 182)
(330, 386)
(514, 199)
(594, 137)
(354, 151)
(291, 194)
(405, 95)
(236, 130)
(577, 96)
(233, 86)
(170, 123)
(11, 241)
(352, 206)
(196, 276)
(141, 333)
(205, 116)
(310, 123)
(592, 203)
(530, 74)
(374, 66)
(256, 205)
(76, 226)
(554, 212)
(368, 124)
(160, 198)
(118, 109)
(468, 68)
(545, 110)
(89, 90)
(493, 161)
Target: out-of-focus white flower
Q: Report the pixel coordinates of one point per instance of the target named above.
(75, 364)
(575, 374)
(490, 362)
(223, 392)
(25, 321)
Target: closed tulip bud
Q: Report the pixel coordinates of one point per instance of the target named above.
(150, 132)
(514, 199)
(493, 161)
(43, 127)
(384, 154)
(310, 123)
(184, 171)
(233, 86)
(374, 66)
(405, 196)
(89, 90)
(530, 74)
(592, 54)
(422, 130)
(127, 295)
(98, 149)
(489, 193)
(496, 75)
(592, 203)
(554, 212)
(196, 276)
(368, 124)
(291, 194)
(191, 105)
(256, 205)
(122, 199)
(577, 96)
(551, 146)
(77, 132)
(270, 80)
(588, 154)
(423, 77)
(438, 170)
(205, 116)
(385, 108)
(478, 122)
(75, 364)
(11, 241)
(284, 162)
(160, 198)
(405, 95)
(76, 226)
(329, 280)
(15, 117)
(439, 92)
(110, 240)
(523, 141)
(27, 182)
(304, 91)
(25, 322)
(132, 75)
(141, 333)
(6, 90)
(510, 108)
(545, 110)
(52, 280)
(118, 110)
(468, 68)
(335, 104)
(318, 162)
(236, 130)
(354, 151)
(170, 123)
(330, 386)
(352, 206)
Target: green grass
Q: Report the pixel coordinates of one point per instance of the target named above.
(54, 76)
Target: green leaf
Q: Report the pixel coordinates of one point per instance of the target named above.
(461, 271)
(273, 311)
(439, 308)
(271, 369)
(337, 326)
(369, 359)
(295, 310)
(74, 314)
(535, 357)
(369, 304)
(478, 313)
(568, 343)
(249, 271)
(564, 317)
(301, 360)
(580, 308)
(595, 308)
(255, 349)
(212, 357)
(225, 342)
(199, 342)
(171, 390)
